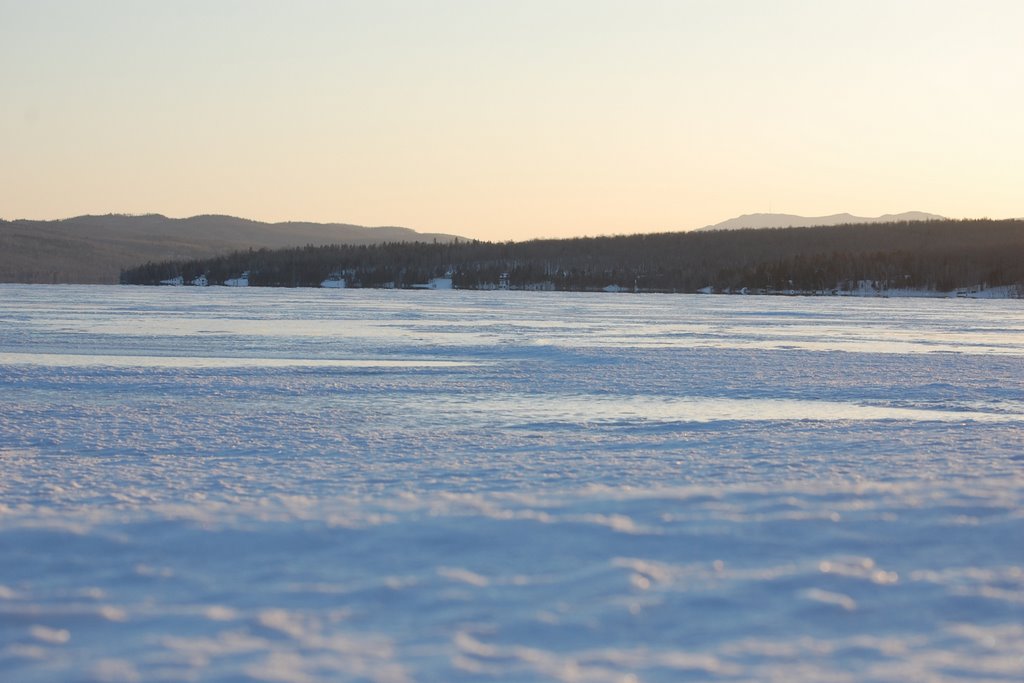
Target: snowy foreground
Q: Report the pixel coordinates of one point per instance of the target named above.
(219, 484)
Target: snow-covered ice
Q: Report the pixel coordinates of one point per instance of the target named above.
(243, 484)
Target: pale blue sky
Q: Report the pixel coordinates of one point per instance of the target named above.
(510, 120)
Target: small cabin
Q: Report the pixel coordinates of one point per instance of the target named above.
(240, 281)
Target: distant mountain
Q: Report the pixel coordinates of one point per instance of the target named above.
(94, 249)
(785, 220)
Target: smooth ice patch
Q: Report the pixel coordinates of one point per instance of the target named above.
(204, 362)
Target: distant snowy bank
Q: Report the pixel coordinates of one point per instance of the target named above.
(864, 288)
(869, 289)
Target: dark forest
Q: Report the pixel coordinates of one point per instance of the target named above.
(934, 255)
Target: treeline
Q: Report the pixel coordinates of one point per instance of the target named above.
(937, 255)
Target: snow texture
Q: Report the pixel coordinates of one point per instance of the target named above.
(214, 484)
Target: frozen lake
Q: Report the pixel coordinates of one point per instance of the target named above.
(212, 484)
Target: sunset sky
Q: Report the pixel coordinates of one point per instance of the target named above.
(515, 119)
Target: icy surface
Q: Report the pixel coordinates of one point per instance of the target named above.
(305, 485)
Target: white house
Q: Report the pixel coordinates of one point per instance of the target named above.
(334, 282)
(240, 281)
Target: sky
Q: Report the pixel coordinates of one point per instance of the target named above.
(511, 120)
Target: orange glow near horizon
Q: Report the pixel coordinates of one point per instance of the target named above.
(506, 121)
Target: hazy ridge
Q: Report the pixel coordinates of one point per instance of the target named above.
(786, 220)
(94, 249)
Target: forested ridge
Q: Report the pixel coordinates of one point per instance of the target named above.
(96, 249)
(937, 255)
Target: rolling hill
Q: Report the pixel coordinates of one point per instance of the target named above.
(785, 220)
(94, 249)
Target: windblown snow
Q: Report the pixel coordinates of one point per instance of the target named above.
(239, 484)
